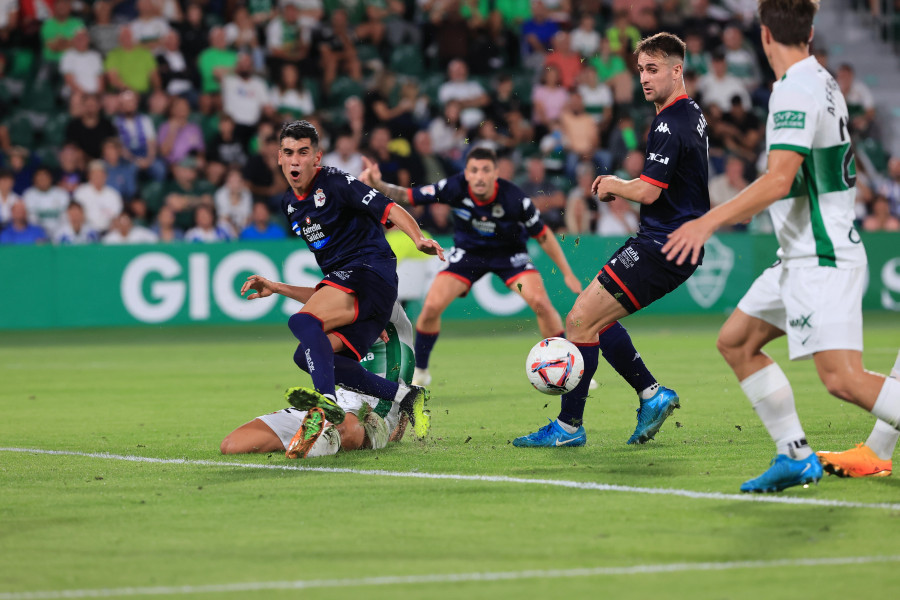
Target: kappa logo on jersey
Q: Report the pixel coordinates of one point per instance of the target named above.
(497, 212)
(659, 158)
(427, 190)
(319, 198)
(291, 210)
(663, 128)
(789, 119)
(350, 178)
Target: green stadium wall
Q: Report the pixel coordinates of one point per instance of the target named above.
(88, 286)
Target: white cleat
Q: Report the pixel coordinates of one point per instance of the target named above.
(421, 377)
(593, 385)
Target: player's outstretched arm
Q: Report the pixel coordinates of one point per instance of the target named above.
(263, 288)
(551, 247)
(405, 223)
(688, 240)
(636, 190)
(371, 176)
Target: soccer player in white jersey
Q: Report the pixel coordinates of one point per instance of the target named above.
(813, 293)
(357, 422)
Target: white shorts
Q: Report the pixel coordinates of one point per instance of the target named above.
(285, 423)
(819, 308)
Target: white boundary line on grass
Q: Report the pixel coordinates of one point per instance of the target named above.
(581, 485)
(255, 586)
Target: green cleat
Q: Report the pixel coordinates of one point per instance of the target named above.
(309, 432)
(305, 399)
(413, 406)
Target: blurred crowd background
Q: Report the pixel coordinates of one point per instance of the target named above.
(142, 121)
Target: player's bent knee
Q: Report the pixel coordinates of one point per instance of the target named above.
(839, 386)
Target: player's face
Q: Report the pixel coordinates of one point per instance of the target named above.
(659, 76)
(299, 160)
(481, 175)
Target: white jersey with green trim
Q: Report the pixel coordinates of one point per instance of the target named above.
(814, 223)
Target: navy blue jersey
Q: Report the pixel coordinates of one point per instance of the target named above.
(678, 162)
(502, 224)
(340, 220)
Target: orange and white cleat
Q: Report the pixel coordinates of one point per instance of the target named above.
(310, 430)
(858, 462)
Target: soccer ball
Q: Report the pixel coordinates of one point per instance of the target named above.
(554, 366)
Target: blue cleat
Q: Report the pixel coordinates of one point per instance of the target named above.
(784, 473)
(653, 413)
(551, 435)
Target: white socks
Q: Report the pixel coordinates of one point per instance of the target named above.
(770, 394)
(649, 392)
(887, 406)
(883, 439)
(566, 427)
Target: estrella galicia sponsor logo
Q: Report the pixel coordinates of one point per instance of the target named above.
(484, 226)
(801, 322)
(663, 128)
(319, 198)
(708, 282)
(789, 119)
(658, 158)
(313, 234)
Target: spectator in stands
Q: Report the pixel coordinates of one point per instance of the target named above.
(194, 32)
(57, 33)
(880, 217)
(355, 117)
(214, 63)
(245, 97)
(81, 67)
(564, 59)
(234, 202)
(597, 97)
(623, 36)
(261, 227)
(178, 136)
(719, 86)
(612, 70)
(545, 194)
(617, 218)
(399, 116)
(889, 186)
(581, 138)
(708, 20)
(289, 99)
(19, 230)
(88, 130)
(469, 94)
(284, 38)
(124, 231)
(726, 186)
(104, 33)
(581, 205)
(586, 38)
(263, 173)
(537, 33)
(393, 168)
(742, 131)
(164, 228)
(487, 135)
(178, 77)
(424, 164)
(7, 196)
(149, 29)
(548, 99)
(696, 58)
(206, 230)
(494, 47)
(859, 99)
(46, 203)
(131, 67)
(138, 137)
(75, 231)
(22, 165)
(504, 100)
(101, 202)
(346, 155)
(71, 171)
(336, 45)
(121, 174)
(241, 34)
(186, 191)
(224, 149)
(740, 58)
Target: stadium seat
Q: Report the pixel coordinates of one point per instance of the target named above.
(21, 132)
(47, 155)
(54, 131)
(343, 88)
(312, 84)
(407, 60)
(40, 97)
(523, 84)
(152, 194)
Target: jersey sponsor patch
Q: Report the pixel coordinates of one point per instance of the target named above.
(790, 119)
(658, 158)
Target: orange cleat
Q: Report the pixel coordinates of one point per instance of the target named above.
(858, 462)
(306, 436)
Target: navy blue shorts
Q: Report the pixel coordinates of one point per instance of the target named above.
(374, 299)
(638, 273)
(469, 267)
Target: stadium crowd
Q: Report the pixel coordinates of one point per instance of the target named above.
(141, 121)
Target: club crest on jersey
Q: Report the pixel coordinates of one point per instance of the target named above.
(497, 212)
(319, 198)
(663, 128)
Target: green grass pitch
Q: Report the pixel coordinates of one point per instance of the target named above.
(100, 525)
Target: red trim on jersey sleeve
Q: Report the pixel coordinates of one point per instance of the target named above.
(541, 232)
(652, 181)
(681, 97)
(409, 194)
(625, 289)
(387, 210)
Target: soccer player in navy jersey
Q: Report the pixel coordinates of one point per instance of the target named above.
(340, 219)
(672, 189)
(492, 220)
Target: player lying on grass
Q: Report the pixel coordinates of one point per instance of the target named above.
(871, 459)
(813, 293)
(492, 220)
(357, 421)
(671, 190)
(340, 219)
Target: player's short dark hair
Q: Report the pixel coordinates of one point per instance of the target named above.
(299, 130)
(790, 21)
(481, 153)
(662, 44)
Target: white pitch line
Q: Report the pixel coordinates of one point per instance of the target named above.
(580, 485)
(256, 586)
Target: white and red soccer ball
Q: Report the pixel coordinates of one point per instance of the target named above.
(554, 366)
